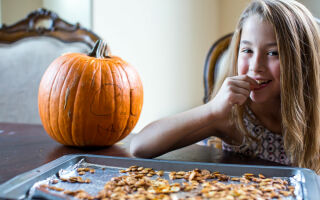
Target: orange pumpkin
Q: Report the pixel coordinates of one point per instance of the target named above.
(90, 100)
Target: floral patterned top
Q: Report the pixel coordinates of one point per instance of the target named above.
(270, 147)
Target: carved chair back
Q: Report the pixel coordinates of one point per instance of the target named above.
(26, 50)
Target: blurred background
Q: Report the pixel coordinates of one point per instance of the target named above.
(165, 40)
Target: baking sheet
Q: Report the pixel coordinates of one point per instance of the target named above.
(19, 187)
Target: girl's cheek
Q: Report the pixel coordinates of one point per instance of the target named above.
(242, 66)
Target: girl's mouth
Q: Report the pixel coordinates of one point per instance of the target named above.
(262, 83)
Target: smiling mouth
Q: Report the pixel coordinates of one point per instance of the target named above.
(262, 82)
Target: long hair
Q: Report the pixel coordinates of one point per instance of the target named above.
(298, 42)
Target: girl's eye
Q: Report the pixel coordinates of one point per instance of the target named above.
(273, 53)
(246, 51)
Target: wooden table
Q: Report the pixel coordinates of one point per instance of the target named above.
(24, 147)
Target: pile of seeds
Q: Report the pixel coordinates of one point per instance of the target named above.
(136, 183)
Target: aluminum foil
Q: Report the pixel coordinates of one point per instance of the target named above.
(104, 173)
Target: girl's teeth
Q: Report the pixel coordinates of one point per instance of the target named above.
(261, 82)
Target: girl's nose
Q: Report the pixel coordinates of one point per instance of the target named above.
(257, 63)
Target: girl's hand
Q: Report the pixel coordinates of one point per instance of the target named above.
(234, 90)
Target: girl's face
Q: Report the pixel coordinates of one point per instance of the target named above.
(258, 58)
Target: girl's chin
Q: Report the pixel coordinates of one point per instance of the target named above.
(257, 98)
(262, 98)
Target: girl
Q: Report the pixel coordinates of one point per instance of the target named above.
(266, 103)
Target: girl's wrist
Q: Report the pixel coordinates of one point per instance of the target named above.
(215, 111)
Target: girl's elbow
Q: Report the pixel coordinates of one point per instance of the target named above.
(137, 149)
(134, 150)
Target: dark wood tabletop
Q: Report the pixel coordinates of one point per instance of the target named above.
(24, 147)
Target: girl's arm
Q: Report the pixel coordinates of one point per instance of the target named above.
(211, 119)
(174, 132)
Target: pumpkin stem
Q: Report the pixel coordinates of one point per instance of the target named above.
(100, 50)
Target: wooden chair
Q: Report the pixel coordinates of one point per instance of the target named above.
(212, 64)
(211, 68)
(26, 50)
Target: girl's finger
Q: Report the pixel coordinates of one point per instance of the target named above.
(241, 83)
(240, 90)
(238, 99)
(253, 82)
(246, 81)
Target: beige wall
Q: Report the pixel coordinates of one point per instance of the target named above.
(72, 11)
(14, 10)
(230, 10)
(167, 41)
(313, 6)
(0, 11)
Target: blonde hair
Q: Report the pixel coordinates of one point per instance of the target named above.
(298, 40)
